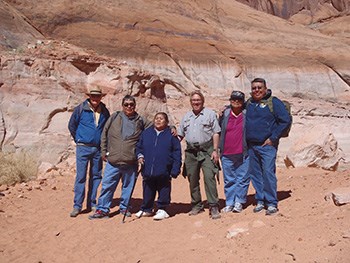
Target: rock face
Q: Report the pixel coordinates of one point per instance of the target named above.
(212, 45)
(159, 52)
(288, 8)
(326, 156)
(15, 30)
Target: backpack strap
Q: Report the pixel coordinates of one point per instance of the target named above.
(81, 107)
(113, 116)
(142, 123)
(269, 103)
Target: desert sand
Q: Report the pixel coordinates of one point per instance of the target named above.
(36, 227)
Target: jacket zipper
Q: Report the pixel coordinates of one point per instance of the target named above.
(155, 145)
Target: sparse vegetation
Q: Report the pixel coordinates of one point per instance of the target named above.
(16, 168)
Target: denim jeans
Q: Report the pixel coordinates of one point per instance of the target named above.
(262, 169)
(87, 155)
(236, 178)
(112, 175)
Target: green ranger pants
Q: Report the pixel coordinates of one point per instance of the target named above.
(194, 161)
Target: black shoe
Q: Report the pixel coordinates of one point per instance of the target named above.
(195, 211)
(99, 215)
(214, 212)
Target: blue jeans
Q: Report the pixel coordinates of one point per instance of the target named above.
(262, 169)
(236, 178)
(87, 155)
(112, 175)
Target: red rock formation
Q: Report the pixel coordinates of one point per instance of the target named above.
(288, 8)
(213, 46)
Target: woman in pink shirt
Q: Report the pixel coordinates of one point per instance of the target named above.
(234, 156)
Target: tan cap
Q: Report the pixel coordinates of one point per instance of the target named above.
(95, 90)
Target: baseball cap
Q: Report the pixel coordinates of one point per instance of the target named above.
(237, 95)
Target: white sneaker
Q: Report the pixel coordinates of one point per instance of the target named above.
(227, 209)
(237, 208)
(161, 214)
(143, 213)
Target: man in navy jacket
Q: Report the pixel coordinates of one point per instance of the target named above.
(85, 126)
(264, 128)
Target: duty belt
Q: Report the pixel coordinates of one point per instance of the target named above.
(196, 147)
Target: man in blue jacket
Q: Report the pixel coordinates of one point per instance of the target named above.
(264, 127)
(85, 126)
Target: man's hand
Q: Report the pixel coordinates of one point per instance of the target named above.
(140, 162)
(173, 131)
(221, 111)
(215, 156)
(267, 142)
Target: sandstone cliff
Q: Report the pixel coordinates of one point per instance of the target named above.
(160, 51)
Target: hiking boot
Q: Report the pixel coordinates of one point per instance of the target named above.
(161, 214)
(259, 207)
(125, 212)
(214, 212)
(195, 211)
(227, 209)
(143, 213)
(75, 212)
(271, 210)
(99, 215)
(237, 208)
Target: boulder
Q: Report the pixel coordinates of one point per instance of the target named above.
(341, 196)
(326, 156)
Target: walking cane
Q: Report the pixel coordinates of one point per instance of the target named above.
(132, 190)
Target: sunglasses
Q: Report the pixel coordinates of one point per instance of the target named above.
(129, 105)
(95, 95)
(257, 87)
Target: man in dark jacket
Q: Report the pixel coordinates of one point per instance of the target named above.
(85, 126)
(264, 128)
(118, 143)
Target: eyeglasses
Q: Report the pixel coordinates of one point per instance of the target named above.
(129, 105)
(257, 87)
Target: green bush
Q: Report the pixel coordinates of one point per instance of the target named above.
(17, 168)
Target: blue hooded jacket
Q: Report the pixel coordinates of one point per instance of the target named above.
(262, 124)
(162, 153)
(82, 124)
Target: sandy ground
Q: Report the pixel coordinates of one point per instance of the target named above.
(36, 227)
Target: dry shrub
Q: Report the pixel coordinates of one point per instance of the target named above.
(17, 168)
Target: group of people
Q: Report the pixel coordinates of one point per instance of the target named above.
(244, 137)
